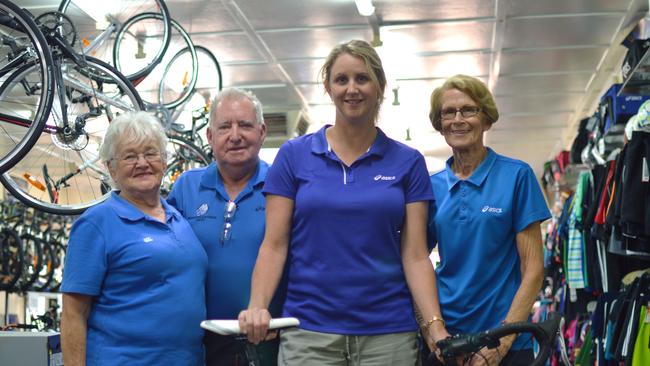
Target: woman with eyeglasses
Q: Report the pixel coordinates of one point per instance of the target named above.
(346, 207)
(486, 224)
(134, 276)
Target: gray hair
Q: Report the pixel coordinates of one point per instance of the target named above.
(237, 94)
(137, 127)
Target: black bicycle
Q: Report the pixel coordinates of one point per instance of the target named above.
(463, 346)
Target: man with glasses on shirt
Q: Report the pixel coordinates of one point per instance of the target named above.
(225, 206)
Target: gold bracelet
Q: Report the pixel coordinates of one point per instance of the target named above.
(434, 319)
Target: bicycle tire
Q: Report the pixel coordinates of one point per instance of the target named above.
(33, 260)
(182, 155)
(11, 259)
(151, 87)
(121, 11)
(73, 157)
(46, 273)
(57, 276)
(19, 132)
(208, 70)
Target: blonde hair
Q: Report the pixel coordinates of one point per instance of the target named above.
(367, 53)
(473, 88)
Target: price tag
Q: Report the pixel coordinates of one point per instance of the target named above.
(645, 177)
(647, 315)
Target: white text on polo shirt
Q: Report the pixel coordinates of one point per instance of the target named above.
(491, 209)
(147, 239)
(201, 210)
(384, 177)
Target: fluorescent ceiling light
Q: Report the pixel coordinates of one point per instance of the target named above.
(365, 7)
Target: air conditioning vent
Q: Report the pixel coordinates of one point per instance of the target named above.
(276, 124)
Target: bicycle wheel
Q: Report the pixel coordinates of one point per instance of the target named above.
(11, 259)
(182, 155)
(46, 273)
(62, 174)
(24, 110)
(151, 89)
(98, 22)
(33, 260)
(209, 83)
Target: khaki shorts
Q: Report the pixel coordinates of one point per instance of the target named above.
(300, 347)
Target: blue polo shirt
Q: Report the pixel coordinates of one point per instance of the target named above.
(200, 196)
(147, 280)
(475, 226)
(345, 268)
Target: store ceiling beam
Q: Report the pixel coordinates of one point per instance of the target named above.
(263, 49)
(501, 8)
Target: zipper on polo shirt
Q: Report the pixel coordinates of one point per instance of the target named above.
(345, 175)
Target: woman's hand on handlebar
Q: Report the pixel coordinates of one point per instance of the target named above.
(491, 357)
(433, 334)
(254, 323)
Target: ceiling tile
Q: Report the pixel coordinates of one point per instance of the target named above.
(562, 31)
(399, 10)
(556, 60)
(304, 13)
(228, 48)
(312, 42)
(442, 37)
(536, 7)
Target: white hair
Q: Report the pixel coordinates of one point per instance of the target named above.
(137, 127)
(237, 94)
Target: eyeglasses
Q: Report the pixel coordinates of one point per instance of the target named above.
(149, 156)
(228, 214)
(466, 111)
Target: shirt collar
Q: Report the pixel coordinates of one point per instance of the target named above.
(212, 179)
(320, 146)
(128, 211)
(478, 176)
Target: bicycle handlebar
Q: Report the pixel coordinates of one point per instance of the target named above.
(463, 344)
(231, 327)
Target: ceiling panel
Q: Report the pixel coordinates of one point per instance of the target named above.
(304, 13)
(536, 104)
(304, 71)
(536, 7)
(228, 48)
(398, 10)
(278, 98)
(475, 64)
(201, 16)
(442, 37)
(561, 31)
(540, 61)
(310, 43)
(243, 75)
(568, 83)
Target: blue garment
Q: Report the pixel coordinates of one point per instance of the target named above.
(475, 227)
(200, 196)
(147, 281)
(345, 268)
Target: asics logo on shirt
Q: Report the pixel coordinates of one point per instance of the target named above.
(147, 239)
(492, 209)
(201, 210)
(384, 177)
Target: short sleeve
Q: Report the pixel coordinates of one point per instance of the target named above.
(85, 259)
(418, 184)
(432, 235)
(529, 203)
(175, 197)
(281, 179)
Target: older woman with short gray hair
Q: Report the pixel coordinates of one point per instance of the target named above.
(134, 278)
